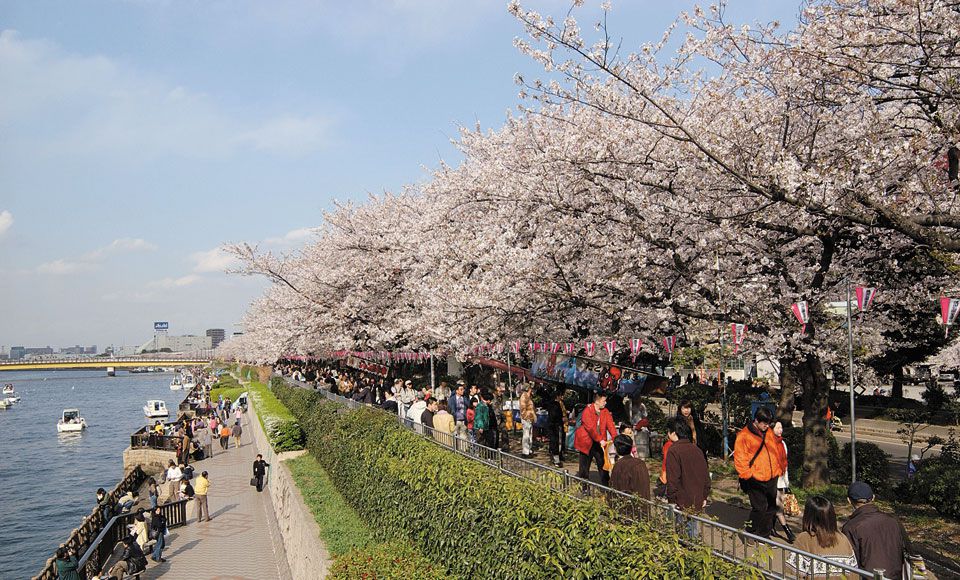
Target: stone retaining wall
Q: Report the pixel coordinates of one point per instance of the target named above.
(152, 461)
(306, 554)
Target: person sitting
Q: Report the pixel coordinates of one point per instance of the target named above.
(126, 501)
(132, 562)
(821, 537)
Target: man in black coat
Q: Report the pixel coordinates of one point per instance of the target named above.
(158, 527)
(259, 470)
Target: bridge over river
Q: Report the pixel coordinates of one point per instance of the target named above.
(151, 360)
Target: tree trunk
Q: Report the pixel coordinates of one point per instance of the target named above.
(897, 382)
(788, 399)
(816, 448)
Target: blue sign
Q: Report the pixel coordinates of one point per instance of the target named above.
(161, 325)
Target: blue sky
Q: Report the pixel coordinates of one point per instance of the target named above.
(137, 136)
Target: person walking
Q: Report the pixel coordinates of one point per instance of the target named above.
(820, 537)
(158, 528)
(237, 432)
(259, 471)
(205, 440)
(225, 436)
(200, 494)
(528, 416)
(759, 460)
(878, 539)
(688, 476)
(783, 485)
(596, 424)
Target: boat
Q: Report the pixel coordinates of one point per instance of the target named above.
(189, 383)
(13, 399)
(8, 389)
(4, 404)
(176, 384)
(155, 409)
(71, 422)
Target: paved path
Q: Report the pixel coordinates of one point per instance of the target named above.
(242, 542)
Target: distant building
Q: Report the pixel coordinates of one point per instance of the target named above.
(17, 352)
(217, 335)
(79, 350)
(37, 351)
(167, 343)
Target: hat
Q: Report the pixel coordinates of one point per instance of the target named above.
(859, 491)
(460, 382)
(408, 383)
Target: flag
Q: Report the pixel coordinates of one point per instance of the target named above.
(516, 347)
(949, 308)
(739, 331)
(554, 347)
(611, 346)
(802, 313)
(669, 343)
(865, 297)
(635, 344)
(590, 347)
(568, 348)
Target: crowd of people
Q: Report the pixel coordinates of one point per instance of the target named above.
(220, 420)
(870, 539)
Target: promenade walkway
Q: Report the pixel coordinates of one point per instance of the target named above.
(242, 541)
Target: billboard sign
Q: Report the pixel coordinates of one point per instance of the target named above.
(596, 375)
(161, 325)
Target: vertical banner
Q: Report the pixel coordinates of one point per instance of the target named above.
(738, 331)
(554, 347)
(802, 313)
(949, 308)
(568, 348)
(635, 344)
(670, 343)
(590, 347)
(865, 297)
(611, 347)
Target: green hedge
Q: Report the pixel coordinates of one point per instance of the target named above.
(394, 560)
(281, 427)
(477, 521)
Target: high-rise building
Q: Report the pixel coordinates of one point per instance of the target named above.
(167, 343)
(216, 336)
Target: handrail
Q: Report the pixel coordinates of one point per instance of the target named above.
(92, 562)
(724, 541)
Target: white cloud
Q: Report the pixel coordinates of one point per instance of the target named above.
(60, 267)
(118, 246)
(69, 104)
(91, 260)
(294, 237)
(170, 283)
(6, 220)
(215, 260)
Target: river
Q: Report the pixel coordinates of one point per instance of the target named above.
(48, 482)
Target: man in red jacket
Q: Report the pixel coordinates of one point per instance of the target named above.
(595, 423)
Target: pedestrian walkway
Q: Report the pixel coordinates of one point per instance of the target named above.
(242, 541)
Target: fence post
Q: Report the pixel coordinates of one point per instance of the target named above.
(500, 459)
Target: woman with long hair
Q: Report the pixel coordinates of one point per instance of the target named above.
(821, 537)
(686, 412)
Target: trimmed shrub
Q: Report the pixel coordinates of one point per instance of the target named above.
(281, 427)
(937, 482)
(395, 560)
(441, 502)
(872, 466)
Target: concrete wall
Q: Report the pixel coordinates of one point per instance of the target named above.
(153, 460)
(306, 554)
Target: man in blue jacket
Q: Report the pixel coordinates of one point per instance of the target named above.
(458, 405)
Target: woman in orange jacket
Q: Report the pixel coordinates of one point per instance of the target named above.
(759, 458)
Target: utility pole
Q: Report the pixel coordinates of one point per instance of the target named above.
(853, 421)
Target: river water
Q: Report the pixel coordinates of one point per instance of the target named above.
(48, 482)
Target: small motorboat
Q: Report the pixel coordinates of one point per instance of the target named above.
(176, 384)
(8, 389)
(71, 422)
(155, 409)
(189, 383)
(13, 399)
(4, 404)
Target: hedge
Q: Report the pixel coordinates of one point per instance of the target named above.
(477, 521)
(281, 427)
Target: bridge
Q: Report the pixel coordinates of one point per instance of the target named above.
(151, 360)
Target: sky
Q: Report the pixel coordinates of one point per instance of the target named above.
(139, 136)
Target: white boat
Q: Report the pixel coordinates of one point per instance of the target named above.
(4, 404)
(189, 383)
(155, 409)
(13, 399)
(8, 389)
(71, 421)
(176, 384)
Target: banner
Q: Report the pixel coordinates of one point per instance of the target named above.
(569, 348)
(802, 313)
(590, 347)
(635, 344)
(949, 308)
(739, 331)
(367, 366)
(865, 297)
(596, 375)
(610, 346)
(669, 343)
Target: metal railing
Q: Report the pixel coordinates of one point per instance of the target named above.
(94, 561)
(91, 526)
(770, 558)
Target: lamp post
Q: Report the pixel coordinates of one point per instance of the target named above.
(853, 421)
